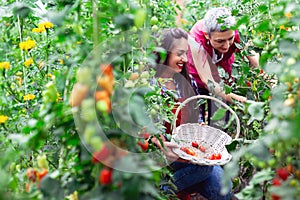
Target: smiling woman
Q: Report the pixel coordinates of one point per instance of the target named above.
(212, 43)
(188, 177)
(177, 57)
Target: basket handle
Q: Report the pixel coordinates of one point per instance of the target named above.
(238, 128)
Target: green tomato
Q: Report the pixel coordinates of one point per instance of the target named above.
(272, 162)
(12, 167)
(50, 94)
(153, 20)
(42, 161)
(87, 110)
(139, 17)
(101, 106)
(290, 61)
(18, 167)
(129, 84)
(293, 183)
(145, 74)
(96, 143)
(89, 132)
(83, 75)
(154, 28)
(134, 29)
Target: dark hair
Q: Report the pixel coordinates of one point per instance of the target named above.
(167, 43)
(183, 79)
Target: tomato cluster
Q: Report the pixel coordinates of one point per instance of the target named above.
(215, 156)
(188, 151)
(282, 175)
(200, 147)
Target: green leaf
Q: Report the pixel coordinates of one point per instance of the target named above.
(21, 10)
(219, 114)
(260, 177)
(263, 8)
(256, 110)
(51, 188)
(264, 26)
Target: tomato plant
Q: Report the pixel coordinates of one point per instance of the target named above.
(76, 101)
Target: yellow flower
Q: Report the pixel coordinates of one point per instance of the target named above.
(288, 15)
(38, 30)
(281, 27)
(26, 45)
(3, 119)
(58, 97)
(19, 80)
(28, 97)
(61, 61)
(46, 25)
(73, 196)
(4, 65)
(50, 76)
(28, 62)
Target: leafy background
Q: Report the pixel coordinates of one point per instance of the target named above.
(42, 131)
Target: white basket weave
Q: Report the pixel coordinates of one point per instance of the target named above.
(212, 139)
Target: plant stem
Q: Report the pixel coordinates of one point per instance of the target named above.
(95, 28)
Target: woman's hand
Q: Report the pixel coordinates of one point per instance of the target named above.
(167, 149)
(236, 97)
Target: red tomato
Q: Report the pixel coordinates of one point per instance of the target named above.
(282, 173)
(276, 182)
(190, 152)
(195, 144)
(101, 154)
(144, 145)
(31, 174)
(275, 197)
(212, 157)
(290, 168)
(105, 176)
(146, 135)
(215, 156)
(202, 148)
(248, 83)
(183, 149)
(42, 173)
(261, 71)
(218, 156)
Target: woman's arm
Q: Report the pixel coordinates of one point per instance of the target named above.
(253, 59)
(203, 66)
(167, 149)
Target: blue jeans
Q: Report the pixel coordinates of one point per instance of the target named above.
(206, 180)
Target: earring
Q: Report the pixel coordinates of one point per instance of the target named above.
(207, 42)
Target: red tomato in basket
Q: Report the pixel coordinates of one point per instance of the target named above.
(202, 148)
(215, 156)
(218, 156)
(182, 148)
(195, 144)
(190, 152)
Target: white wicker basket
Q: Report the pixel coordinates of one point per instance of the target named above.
(212, 139)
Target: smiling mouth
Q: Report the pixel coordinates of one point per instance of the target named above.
(180, 65)
(225, 50)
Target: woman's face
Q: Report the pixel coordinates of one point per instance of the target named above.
(221, 41)
(177, 56)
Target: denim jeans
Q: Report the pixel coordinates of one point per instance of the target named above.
(206, 180)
